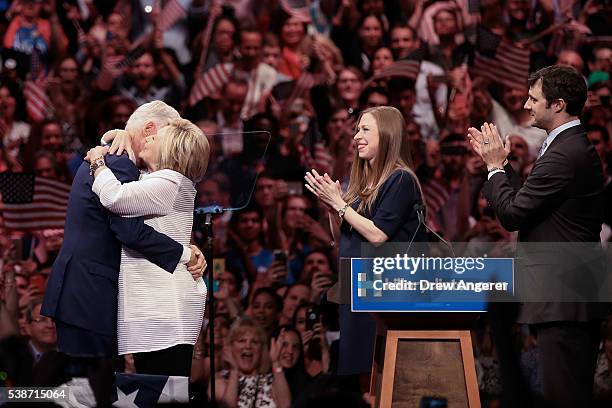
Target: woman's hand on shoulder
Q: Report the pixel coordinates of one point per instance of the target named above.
(121, 142)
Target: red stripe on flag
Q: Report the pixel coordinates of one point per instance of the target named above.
(211, 81)
(37, 101)
(510, 66)
(172, 12)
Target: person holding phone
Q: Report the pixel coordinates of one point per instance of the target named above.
(377, 207)
(307, 321)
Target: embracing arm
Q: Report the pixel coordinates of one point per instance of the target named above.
(156, 247)
(154, 195)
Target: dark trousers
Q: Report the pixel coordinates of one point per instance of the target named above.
(567, 354)
(91, 355)
(171, 361)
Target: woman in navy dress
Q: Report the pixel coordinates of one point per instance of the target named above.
(377, 207)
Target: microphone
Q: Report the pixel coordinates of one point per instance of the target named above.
(211, 209)
(420, 210)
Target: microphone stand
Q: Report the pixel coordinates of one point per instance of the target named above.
(208, 213)
(420, 210)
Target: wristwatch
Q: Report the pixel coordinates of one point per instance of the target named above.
(342, 211)
(96, 164)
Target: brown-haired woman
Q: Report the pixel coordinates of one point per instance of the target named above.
(377, 207)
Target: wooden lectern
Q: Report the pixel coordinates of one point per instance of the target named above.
(424, 355)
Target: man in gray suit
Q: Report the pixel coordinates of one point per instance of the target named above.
(560, 202)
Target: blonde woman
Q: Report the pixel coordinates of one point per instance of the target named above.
(377, 207)
(249, 382)
(159, 314)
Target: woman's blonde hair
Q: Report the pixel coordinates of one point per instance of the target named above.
(184, 148)
(243, 325)
(393, 154)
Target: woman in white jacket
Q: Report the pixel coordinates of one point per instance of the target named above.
(159, 314)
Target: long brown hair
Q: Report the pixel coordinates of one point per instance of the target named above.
(393, 154)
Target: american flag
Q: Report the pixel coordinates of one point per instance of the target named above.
(32, 203)
(131, 57)
(38, 103)
(132, 390)
(436, 194)
(500, 61)
(210, 82)
(172, 12)
(406, 68)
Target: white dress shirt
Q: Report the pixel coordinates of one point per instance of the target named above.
(555, 132)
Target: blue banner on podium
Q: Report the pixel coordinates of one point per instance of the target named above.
(425, 284)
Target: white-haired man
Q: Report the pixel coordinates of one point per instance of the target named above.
(82, 290)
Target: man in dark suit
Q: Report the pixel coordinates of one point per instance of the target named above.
(81, 294)
(561, 201)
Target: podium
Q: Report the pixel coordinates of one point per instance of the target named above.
(424, 316)
(424, 355)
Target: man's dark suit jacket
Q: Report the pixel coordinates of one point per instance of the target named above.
(561, 201)
(82, 288)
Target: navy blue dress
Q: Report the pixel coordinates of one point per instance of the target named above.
(393, 213)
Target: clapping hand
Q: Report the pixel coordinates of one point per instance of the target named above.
(276, 346)
(326, 190)
(229, 358)
(488, 144)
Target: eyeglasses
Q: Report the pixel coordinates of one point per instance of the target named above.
(42, 319)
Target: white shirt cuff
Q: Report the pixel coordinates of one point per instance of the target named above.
(494, 172)
(186, 255)
(102, 178)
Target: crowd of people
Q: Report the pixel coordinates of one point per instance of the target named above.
(278, 87)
